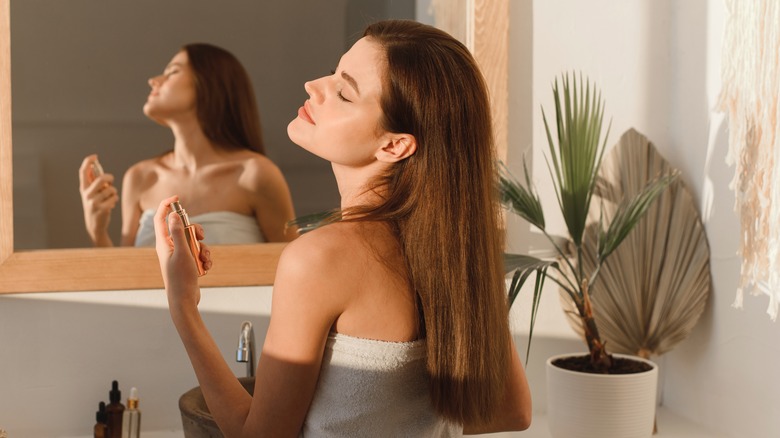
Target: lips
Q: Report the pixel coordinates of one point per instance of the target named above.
(305, 113)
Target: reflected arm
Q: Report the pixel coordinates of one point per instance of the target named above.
(272, 203)
(131, 206)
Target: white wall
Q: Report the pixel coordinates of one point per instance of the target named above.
(60, 352)
(657, 63)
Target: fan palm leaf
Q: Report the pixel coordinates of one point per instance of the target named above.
(653, 289)
(575, 161)
(523, 267)
(522, 200)
(628, 214)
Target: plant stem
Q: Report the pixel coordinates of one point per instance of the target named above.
(600, 359)
(561, 255)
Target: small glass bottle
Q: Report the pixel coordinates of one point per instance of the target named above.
(114, 411)
(131, 422)
(101, 428)
(189, 233)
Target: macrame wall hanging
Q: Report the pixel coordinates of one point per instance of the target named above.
(750, 95)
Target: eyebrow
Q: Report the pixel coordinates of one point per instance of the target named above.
(171, 65)
(351, 81)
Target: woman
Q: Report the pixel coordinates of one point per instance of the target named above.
(217, 164)
(392, 321)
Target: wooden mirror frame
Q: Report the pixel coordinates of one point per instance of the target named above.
(88, 269)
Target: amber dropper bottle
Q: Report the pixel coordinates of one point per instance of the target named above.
(101, 428)
(189, 233)
(115, 410)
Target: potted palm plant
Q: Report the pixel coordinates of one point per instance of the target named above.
(574, 380)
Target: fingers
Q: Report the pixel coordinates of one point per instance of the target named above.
(176, 227)
(160, 225)
(199, 232)
(85, 171)
(205, 256)
(96, 188)
(100, 194)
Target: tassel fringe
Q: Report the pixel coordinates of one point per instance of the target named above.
(750, 94)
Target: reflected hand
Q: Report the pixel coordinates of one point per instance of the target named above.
(178, 268)
(98, 198)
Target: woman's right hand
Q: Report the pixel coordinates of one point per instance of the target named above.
(98, 198)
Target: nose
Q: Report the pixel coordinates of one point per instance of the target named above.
(154, 81)
(313, 89)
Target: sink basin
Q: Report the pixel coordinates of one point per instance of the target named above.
(195, 415)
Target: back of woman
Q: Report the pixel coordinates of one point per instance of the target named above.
(393, 319)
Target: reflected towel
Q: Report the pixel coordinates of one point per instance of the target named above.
(221, 227)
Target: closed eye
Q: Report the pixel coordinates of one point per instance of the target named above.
(338, 93)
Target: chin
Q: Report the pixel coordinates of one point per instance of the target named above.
(299, 139)
(151, 116)
(148, 111)
(293, 133)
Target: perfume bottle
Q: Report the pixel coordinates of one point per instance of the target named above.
(189, 232)
(131, 422)
(97, 169)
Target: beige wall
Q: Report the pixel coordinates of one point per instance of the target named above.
(80, 71)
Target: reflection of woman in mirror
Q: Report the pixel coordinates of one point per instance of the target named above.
(217, 165)
(393, 320)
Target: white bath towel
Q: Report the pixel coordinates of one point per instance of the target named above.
(371, 388)
(221, 227)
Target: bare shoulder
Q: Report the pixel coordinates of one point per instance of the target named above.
(141, 171)
(318, 271)
(259, 171)
(324, 251)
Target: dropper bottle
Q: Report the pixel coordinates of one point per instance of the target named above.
(114, 411)
(101, 428)
(131, 422)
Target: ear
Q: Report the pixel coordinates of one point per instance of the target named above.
(397, 147)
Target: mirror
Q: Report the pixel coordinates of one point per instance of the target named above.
(136, 268)
(81, 74)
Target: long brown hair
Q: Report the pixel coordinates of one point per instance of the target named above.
(227, 110)
(442, 203)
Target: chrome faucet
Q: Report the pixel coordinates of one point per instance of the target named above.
(246, 348)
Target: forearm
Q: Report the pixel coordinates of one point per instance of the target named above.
(515, 413)
(102, 240)
(227, 400)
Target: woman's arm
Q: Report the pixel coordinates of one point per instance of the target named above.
(272, 201)
(306, 302)
(132, 186)
(516, 405)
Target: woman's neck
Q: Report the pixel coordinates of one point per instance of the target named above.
(191, 148)
(355, 185)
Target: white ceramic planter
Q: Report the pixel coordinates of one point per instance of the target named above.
(583, 405)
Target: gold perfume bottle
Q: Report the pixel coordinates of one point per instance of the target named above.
(189, 233)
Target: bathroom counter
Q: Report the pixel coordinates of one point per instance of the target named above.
(150, 434)
(670, 425)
